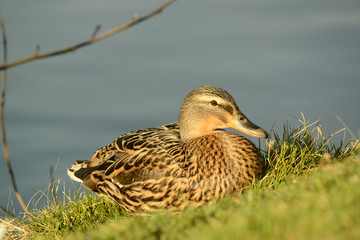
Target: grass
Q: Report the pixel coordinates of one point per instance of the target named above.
(310, 191)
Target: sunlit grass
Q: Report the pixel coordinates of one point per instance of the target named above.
(300, 150)
(78, 210)
(309, 191)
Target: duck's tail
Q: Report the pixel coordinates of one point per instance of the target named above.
(89, 176)
(77, 171)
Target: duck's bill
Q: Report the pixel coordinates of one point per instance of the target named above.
(247, 127)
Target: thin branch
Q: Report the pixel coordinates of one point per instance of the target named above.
(96, 30)
(94, 39)
(3, 132)
(37, 49)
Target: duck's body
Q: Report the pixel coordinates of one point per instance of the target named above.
(165, 167)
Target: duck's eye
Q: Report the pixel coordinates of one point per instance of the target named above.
(214, 103)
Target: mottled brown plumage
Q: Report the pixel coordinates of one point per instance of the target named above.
(172, 166)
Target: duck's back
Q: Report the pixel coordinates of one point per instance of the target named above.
(136, 156)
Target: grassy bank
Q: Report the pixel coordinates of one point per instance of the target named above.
(310, 191)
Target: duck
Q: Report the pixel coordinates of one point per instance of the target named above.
(191, 162)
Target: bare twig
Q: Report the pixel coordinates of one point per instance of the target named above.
(3, 91)
(94, 38)
(96, 30)
(37, 49)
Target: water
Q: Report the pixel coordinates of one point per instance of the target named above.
(277, 58)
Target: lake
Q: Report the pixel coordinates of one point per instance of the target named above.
(277, 58)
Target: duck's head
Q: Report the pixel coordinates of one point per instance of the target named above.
(207, 109)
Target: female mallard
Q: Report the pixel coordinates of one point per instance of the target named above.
(189, 162)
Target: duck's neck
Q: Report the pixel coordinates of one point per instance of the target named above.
(191, 128)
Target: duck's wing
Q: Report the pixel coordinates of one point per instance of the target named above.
(136, 156)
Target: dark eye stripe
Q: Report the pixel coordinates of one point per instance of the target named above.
(227, 108)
